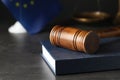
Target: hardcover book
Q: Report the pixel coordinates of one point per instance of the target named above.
(63, 61)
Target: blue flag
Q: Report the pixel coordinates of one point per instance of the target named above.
(33, 14)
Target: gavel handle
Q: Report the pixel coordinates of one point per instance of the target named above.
(107, 33)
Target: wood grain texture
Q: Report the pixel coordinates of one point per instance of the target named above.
(74, 39)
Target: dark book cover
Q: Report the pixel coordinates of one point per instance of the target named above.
(64, 61)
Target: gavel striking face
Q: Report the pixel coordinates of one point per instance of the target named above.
(74, 39)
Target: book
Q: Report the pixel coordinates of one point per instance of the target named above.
(64, 61)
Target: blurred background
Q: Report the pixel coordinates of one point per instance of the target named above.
(69, 7)
(5, 15)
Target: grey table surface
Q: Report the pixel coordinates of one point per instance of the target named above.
(20, 59)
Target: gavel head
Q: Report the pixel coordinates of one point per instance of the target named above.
(74, 39)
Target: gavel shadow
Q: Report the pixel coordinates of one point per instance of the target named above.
(109, 46)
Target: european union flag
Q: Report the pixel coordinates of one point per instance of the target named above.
(33, 14)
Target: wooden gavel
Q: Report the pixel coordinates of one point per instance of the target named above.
(80, 40)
